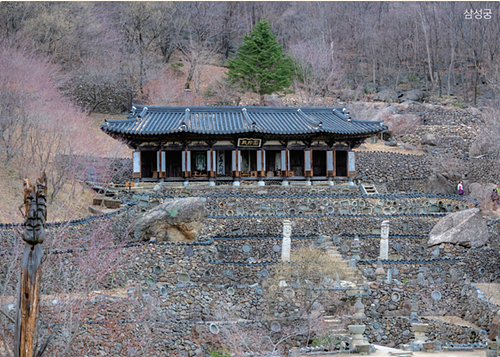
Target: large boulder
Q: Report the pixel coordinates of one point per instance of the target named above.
(467, 228)
(430, 139)
(415, 95)
(386, 95)
(437, 183)
(483, 146)
(178, 221)
(481, 192)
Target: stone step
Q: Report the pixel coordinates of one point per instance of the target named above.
(368, 189)
(332, 322)
(328, 317)
(346, 272)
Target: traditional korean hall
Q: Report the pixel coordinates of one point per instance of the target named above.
(237, 143)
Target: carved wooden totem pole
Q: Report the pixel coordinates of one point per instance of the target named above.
(29, 283)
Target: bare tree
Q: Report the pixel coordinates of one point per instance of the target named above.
(70, 281)
(317, 70)
(223, 92)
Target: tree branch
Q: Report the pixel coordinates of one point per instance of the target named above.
(8, 317)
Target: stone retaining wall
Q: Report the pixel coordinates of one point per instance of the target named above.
(438, 115)
(395, 331)
(454, 140)
(483, 170)
(378, 166)
(446, 299)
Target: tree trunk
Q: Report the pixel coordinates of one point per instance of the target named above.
(476, 75)
(450, 70)
(27, 306)
(373, 64)
(30, 277)
(190, 74)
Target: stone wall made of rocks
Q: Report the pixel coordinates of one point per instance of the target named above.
(241, 249)
(454, 140)
(445, 299)
(438, 115)
(483, 170)
(395, 331)
(378, 166)
(402, 185)
(305, 226)
(478, 264)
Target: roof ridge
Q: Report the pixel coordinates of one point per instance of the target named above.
(240, 119)
(235, 108)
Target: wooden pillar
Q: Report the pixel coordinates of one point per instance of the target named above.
(158, 164)
(186, 163)
(351, 163)
(284, 163)
(30, 278)
(261, 162)
(334, 163)
(330, 172)
(163, 167)
(236, 163)
(308, 170)
(136, 157)
(211, 163)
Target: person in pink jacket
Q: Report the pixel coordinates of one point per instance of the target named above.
(460, 188)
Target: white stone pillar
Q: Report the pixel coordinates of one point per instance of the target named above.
(384, 240)
(285, 249)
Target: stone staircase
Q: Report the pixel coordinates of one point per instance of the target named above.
(335, 326)
(368, 189)
(348, 275)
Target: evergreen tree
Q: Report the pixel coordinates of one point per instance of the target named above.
(261, 66)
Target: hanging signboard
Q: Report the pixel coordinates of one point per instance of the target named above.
(249, 143)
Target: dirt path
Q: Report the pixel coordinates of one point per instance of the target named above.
(455, 320)
(491, 291)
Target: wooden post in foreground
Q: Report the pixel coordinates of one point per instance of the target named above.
(29, 282)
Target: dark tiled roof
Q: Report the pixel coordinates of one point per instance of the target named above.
(154, 121)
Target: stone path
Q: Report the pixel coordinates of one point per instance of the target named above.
(385, 352)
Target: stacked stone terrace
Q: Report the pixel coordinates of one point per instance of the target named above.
(231, 264)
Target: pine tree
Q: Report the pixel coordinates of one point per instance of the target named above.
(261, 66)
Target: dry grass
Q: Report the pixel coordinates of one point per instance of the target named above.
(64, 206)
(380, 146)
(309, 263)
(491, 291)
(455, 320)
